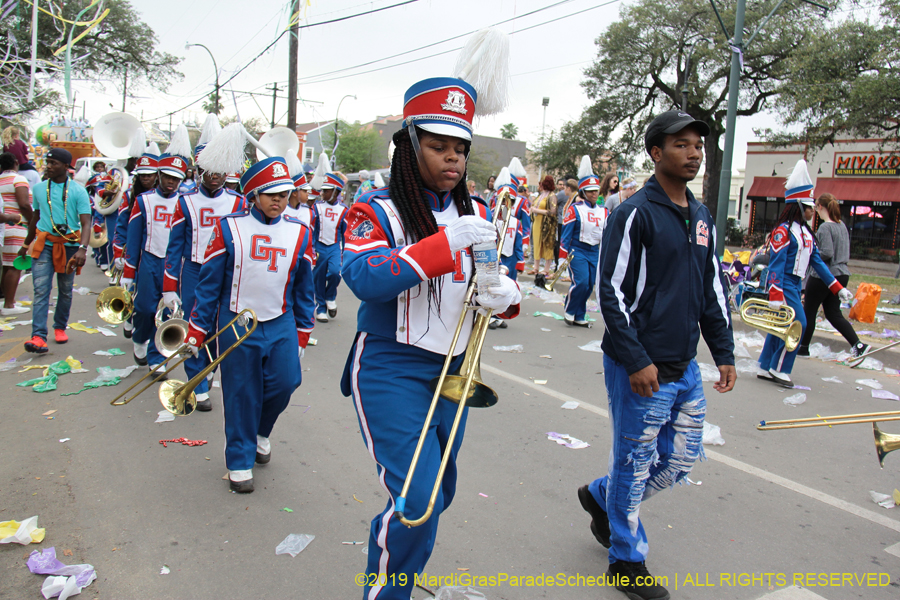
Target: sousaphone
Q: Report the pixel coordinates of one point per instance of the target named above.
(278, 141)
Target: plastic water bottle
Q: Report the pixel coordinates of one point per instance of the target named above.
(486, 266)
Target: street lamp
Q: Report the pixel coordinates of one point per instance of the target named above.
(336, 138)
(188, 45)
(690, 47)
(776, 165)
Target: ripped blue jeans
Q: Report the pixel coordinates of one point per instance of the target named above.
(656, 441)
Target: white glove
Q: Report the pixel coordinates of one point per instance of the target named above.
(120, 263)
(776, 304)
(502, 296)
(126, 282)
(301, 353)
(194, 350)
(468, 230)
(845, 295)
(171, 300)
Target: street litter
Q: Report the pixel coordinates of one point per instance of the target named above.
(107, 377)
(832, 380)
(801, 387)
(540, 381)
(82, 291)
(164, 416)
(13, 364)
(286, 509)
(545, 329)
(26, 532)
(165, 570)
(795, 400)
(483, 495)
(60, 367)
(110, 352)
(459, 593)
(593, 346)
(517, 349)
(884, 500)
(550, 314)
(885, 395)
(49, 412)
(106, 332)
(41, 384)
(709, 372)
(712, 434)
(294, 544)
(872, 383)
(753, 339)
(64, 440)
(352, 543)
(747, 366)
(570, 405)
(67, 580)
(740, 351)
(564, 439)
(870, 364)
(182, 441)
(80, 327)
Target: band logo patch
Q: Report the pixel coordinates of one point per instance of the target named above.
(278, 170)
(702, 236)
(363, 230)
(456, 102)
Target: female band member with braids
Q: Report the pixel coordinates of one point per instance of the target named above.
(407, 257)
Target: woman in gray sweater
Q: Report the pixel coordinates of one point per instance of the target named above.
(834, 248)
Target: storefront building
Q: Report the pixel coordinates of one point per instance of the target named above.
(863, 174)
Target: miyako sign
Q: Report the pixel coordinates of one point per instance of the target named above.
(871, 164)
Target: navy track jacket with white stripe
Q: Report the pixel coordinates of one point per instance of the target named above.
(660, 279)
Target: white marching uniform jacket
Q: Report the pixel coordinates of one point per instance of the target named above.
(255, 262)
(148, 228)
(328, 222)
(302, 213)
(390, 274)
(582, 229)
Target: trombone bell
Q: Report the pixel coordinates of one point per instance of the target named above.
(885, 443)
(174, 399)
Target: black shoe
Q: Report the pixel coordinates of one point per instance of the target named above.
(585, 324)
(141, 362)
(332, 312)
(159, 375)
(245, 487)
(599, 518)
(494, 324)
(502, 324)
(635, 580)
(803, 351)
(859, 349)
(204, 405)
(127, 333)
(263, 459)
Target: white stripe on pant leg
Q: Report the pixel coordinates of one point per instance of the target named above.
(781, 358)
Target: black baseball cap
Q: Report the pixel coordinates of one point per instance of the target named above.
(672, 121)
(60, 154)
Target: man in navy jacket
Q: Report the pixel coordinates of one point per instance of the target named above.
(660, 287)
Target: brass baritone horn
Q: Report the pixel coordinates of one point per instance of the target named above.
(115, 304)
(780, 323)
(548, 285)
(170, 333)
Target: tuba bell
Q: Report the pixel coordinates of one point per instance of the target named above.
(757, 314)
(114, 133)
(114, 191)
(278, 141)
(98, 240)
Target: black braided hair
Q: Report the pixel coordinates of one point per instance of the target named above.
(414, 210)
(793, 213)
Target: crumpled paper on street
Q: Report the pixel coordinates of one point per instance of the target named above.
(885, 395)
(564, 439)
(294, 544)
(26, 532)
(516, 349)
(795, 400)
(712, 435)
(67, 580)
(593, 346)
(872, 383)
(885, 500)
(106, 332)
(751, 339)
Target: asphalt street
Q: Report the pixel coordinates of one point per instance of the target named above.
(768, 509)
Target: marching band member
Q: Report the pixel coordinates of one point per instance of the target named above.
(407, 258)
(329, 228)
(192, 225)
(262, 260)
(96, 187)
(793, 251)
(233, 181)
(582, 233)
(513, 254)
(148, 238)
(299, 205)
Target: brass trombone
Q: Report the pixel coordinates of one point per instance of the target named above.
(176, 396)
(115, 304)
(464, 388)
(885, 443)
(780, 323)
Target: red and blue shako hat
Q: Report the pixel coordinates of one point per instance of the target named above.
(799, 186)
(269, 176)
(147, 164)
(233, 178)
(174, 165)
(587, 180)
(332, 181)
(301, 183)
(99, 181)
(441, 105)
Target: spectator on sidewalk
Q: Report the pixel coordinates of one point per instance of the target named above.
(14, 145)
(16, 196)
(60, 228)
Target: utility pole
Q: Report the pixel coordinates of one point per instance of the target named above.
(274, 89)
(124, 89)
(293, 55)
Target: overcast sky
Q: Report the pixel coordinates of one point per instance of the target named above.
(547, 60)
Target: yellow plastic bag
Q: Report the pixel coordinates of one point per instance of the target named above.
(868, 295)
(26, 532)
(84, 328)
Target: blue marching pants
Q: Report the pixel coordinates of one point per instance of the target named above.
(510, 263)
(774, 354)
(655, 443)
(326, 274)
(258, 378)
(389, 382)
(583, 272)
(149, 293)
(190, 275)
(105, 252)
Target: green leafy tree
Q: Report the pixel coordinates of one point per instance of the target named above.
(209, 105)
(639, 72)
(120, 44)
(481, 165)
(509, 131)
(845, 83)
(359, 148)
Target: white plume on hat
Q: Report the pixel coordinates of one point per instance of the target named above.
(295, 167)
(378, 182)
(211, 127)
(515, 168)
(180, 144)
(225, 152)
(585, 169)
(484, 64)
(138, 144)
(503, 178)
(153, 149)
(799, 176)
(321, 169)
